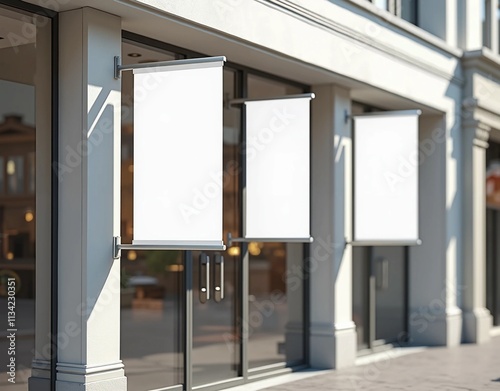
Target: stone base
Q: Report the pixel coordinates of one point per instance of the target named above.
(294, 342)
(441, 329)
(38, 384)
(116, 384)
(332, 347)
(477, 326)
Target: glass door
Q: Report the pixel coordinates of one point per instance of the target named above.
(389, 273)
(215, 355)
(216, 281)
(380, 296)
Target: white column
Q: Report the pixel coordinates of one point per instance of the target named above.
(40, 373)
(434, 316)
(332, 332)
(439, 18)
(470, 29)
(477, 319)
(89, 202)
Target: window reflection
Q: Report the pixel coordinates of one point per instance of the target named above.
(17, 198)
(15, 175)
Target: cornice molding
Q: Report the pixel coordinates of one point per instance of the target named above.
(323, 22)
(484, 60)
(470, 122)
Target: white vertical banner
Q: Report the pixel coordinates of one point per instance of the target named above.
(178, 155)
(277, 200)
(386, 178)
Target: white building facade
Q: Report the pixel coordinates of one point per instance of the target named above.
(87, 321)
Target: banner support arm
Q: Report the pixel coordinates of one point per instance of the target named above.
(118, 68)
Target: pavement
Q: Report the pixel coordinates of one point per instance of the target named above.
(465, 367)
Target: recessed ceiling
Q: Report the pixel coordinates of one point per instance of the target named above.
(140, 54)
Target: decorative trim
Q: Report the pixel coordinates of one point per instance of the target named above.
(481, 130)
(330, 329)
(483, 59)
(330, 25)
(41, 365)
(82, 369)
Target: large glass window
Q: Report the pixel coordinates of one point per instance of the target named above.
(25, 133)
(493, 230)
(152, 292)
(275, 303)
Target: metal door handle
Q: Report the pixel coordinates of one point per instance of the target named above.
(382, 276)
(204, 278)
(219, 278)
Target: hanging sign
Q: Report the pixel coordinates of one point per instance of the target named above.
(178, 155)
(277, 194)
(386, 178)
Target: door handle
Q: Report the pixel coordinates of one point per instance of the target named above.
(382, 276)
(219, 278)
(204, 278)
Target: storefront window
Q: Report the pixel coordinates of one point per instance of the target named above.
(493, 230)
(25, 76)
(162, 291)
(152, 282)
(275, 305)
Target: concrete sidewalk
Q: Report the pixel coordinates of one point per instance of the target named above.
(467, 367)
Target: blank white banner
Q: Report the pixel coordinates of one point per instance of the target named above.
(386, 178)
(277, 169)
(178, 155)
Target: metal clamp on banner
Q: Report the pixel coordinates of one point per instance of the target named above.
(231, 240)
(118, 247)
